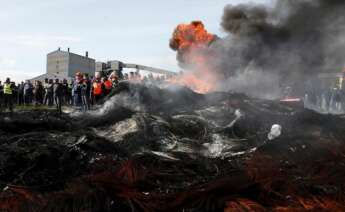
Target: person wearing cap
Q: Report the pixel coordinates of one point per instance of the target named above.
(8, 94)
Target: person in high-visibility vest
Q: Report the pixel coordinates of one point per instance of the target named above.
(108, 85)
(97, 90)
(8, 94)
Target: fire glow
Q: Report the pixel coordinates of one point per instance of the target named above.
(191, 42)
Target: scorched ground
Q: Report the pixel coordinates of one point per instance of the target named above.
(170, 149)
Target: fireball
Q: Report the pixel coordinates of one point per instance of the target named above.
(192, 41)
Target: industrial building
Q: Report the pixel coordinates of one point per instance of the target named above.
(64, 65)
(118, 66)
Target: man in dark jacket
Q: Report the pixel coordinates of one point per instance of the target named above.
(28, 92)
(77, 89)
(20, 100)
(65, 92)
(38, 93)
(86, 92)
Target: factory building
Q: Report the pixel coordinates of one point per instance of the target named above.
(64, 65)
(121, 67)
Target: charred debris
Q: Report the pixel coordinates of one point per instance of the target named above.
(170, 149)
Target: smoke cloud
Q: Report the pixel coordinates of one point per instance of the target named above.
(291, 42)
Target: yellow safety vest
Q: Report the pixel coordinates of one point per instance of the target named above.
(7, 88)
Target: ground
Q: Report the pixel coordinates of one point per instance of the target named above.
(170, 149)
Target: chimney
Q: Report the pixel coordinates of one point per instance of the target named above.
(68, 49)
(86, 54)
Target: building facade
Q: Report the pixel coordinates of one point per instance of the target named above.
(66, 63)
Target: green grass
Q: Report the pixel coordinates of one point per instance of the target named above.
(33, 107)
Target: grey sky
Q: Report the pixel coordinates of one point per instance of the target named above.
(132, 31)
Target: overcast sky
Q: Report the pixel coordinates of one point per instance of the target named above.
(130, 31)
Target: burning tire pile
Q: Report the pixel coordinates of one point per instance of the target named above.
(170, 149)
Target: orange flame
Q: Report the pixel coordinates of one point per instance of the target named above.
(191, 42)
(192, 35)
(193, 82)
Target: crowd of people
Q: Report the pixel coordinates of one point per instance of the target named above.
(329, 100)
(84, 91)
(81, 92)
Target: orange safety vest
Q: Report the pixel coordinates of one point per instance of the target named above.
(97, 88)
(108, 84)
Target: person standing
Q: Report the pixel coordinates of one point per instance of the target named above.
(337, 100)
(8, 94)
(125, 76)
(70, 93)
(65, 99)
(86, 92)
(114, 78)
(97, 90)
(38, 93)
(28, 92)
(50, 92)
(20, 100)
(58, 93)
(342, 96)
(14, 93)
(45, 86)
(77, 88)
(108, 85)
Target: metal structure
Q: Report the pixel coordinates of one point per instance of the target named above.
(118, 66)
(150, 69)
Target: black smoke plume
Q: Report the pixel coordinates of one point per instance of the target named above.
(287, 43)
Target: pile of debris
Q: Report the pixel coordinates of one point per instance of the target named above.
(170, 149)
